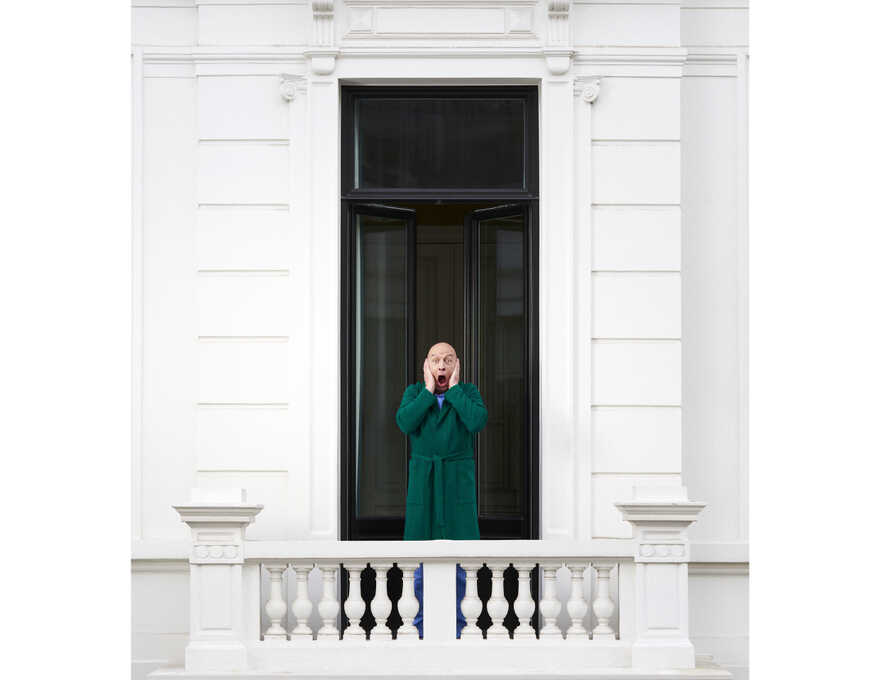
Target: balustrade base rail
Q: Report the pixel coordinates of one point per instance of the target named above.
(550, 669)
(393, 658)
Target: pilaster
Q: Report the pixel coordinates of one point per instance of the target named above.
(585, 91)
(293, 88)
(323, 324)
(556, 321)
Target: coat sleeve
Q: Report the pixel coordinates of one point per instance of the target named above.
(466, 400)
(413, 407)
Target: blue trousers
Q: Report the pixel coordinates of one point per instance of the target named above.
(460, 621)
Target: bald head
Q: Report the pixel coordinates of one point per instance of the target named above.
(441, 348)
(441, 360)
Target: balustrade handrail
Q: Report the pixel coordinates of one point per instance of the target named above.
(438, 550)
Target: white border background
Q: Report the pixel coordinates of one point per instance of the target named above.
(66, 300)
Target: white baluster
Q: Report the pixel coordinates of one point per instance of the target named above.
(577, 605)
(276, 607)
(381, 604)
(524, 605)
(408, 605)
(603, 606)
(550, 605)
(328, 607)
(302, 606)
(354, 604)
(497, 605)
(471, 606)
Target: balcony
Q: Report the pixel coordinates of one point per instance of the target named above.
(254, 615)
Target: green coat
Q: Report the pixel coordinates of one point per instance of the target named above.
(441, 500)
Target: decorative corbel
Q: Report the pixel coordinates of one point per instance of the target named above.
(289, 86)
(322, 52)
(587, 88)
(558, 50)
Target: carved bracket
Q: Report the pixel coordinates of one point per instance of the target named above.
(558, 29)
(322, 53)
(558, 52)
(322, 23)
(290, 85)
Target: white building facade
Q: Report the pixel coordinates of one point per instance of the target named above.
(640, 352)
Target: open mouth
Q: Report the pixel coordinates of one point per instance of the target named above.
(441, 380)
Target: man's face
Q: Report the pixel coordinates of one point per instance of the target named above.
(441, 359)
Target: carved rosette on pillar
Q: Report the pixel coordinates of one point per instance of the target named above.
(587, 88)
(660, 517)
(217, 519)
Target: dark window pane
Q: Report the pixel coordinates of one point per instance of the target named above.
(380, 365)
(439, 143)
(440, 279)
(500, 352)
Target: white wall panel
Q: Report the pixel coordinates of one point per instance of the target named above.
(242, 107)
(243, 173)
(254, 24)
(714, 27)
(439, 20)
(636, 439)
(611, 489)
(242, 238)
(711, 376)
(637, 305)
(169, 305)
(151, 651)
(635, 25)
(161, 599)
(638, 108)
(266, 488)
(242, 371)
(163, 25)
(718, 612)
(243, 437)
(245, 304)
(636, 237)
(636, 372)
(637, 172)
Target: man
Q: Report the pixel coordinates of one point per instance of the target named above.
(441, 415)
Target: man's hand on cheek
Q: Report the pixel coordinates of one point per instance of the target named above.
(453, 381)
(429, 377)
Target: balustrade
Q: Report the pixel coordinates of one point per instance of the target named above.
(381, 605)
(276, 606)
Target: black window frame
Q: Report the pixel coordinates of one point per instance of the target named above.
(529, 95)
(388, 528)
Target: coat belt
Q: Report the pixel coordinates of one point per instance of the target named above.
(436, 465)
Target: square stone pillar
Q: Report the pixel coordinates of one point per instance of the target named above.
(218, 519)
(660, 517)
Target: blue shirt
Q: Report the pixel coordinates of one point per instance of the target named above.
(440, 398)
